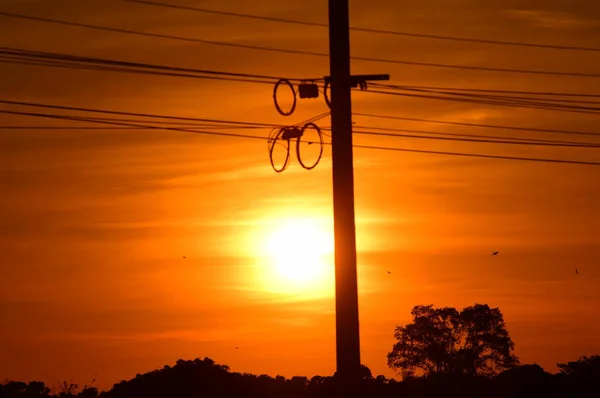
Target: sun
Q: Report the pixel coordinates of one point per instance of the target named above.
(298, 257)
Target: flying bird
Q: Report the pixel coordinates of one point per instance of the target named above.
(576, 271)
(389, 272)
(495, 253)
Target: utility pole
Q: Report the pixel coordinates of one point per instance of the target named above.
(346, 284)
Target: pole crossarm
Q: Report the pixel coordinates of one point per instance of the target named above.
(361, 80)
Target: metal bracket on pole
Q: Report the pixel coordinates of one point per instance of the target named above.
(360, 80)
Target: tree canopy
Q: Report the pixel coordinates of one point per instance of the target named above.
(583, 367)
(473, 341)
(456, 350)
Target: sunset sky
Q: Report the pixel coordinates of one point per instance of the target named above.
(95, 224)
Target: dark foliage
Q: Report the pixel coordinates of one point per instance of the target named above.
(477, 326)
(206, 379)
(472, 342)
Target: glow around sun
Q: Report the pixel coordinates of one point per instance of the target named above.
(298, 257)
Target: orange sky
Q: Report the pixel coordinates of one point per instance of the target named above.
(95, 223)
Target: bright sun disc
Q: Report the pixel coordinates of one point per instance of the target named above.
(298, 253)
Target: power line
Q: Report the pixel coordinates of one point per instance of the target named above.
(198, 123)
(15, 52)
(15, 55)
(494, 99)
(495, 141)
(478, 155)
(46, 55)
(68, 60)
(212, 123)
(492, 126)
(366, 130)
(514, 104)
(158, 35)
(124, 70)
(167, 128)
(469, 136)
(225, 125)
(181, 129)
(120, 113)
(233, 124)
(369, 30)
(495, 96)
(403, 87)
(299, 52)
(71, 61)
(60, 128)
(117, 128)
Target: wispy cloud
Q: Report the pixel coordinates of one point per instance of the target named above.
(553, 19)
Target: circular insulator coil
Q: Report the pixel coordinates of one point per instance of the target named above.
(293, 90)
(320, 142)
(273, 141)
(326, 90)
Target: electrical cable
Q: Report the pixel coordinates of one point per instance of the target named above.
(65, 128)
(518, 102)
(73, 60)
(214, 123)
(239, 124)
(492, 100)
(12, 55)
(272, 140)
(315, 118)
(15, 52)
(83, 128)
(180, 129)
(488, 137)
(468, 137)
(297, 131)
(130, 71)
(483, 91)
(362, 130)
(502, 97)
(570, 145)
(548, 107)
(158, 35)
(298, 52)
(276, 88)
(477, 155)
(321, 143)
(491, 126)
(402, 87)
(68, 60)
(326, 89)
(505, 100)
(167, 128)
(368, 30)
(121, 113)
(200, 123)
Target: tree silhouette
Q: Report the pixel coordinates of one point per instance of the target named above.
(18, 389)
(583, 367)
(207, 379)
(525, 381)
(473, 342)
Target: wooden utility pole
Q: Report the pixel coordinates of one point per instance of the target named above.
(346, 286)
